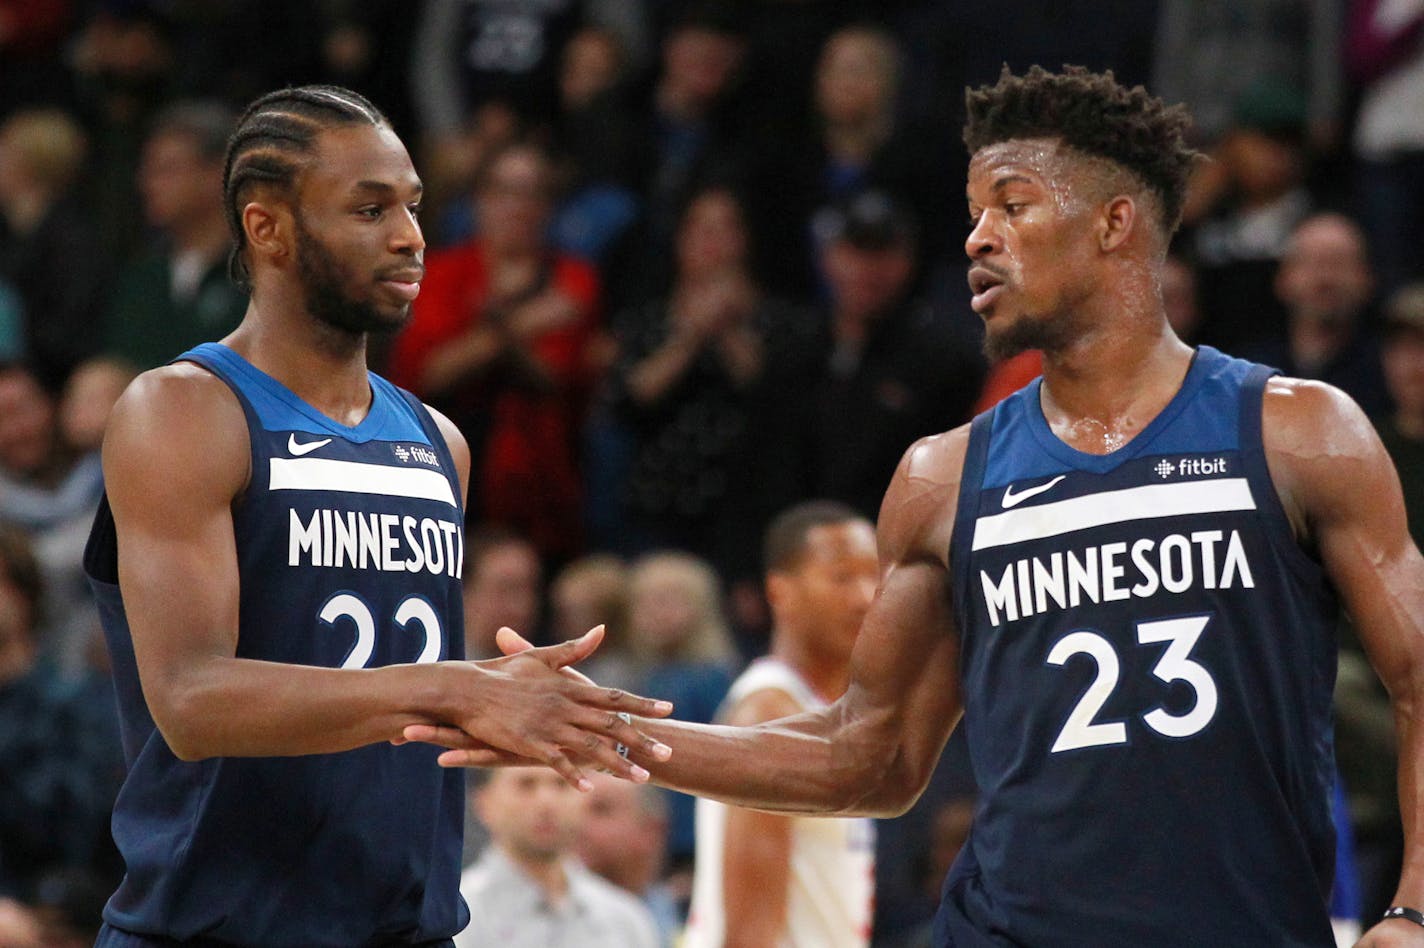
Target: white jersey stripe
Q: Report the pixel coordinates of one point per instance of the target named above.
(1114, 506)
(353, 477)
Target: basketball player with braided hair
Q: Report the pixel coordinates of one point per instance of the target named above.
(278, 565)
(1124, 579)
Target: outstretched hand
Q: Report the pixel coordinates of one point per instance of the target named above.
(533, 708)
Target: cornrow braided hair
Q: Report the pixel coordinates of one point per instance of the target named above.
(270, 142)
(1090, 113)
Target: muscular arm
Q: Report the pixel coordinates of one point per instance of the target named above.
(873, 751)
(1343, 494)
(175, 459)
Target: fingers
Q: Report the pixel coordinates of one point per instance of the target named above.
(616, 699)
(575, 651)
(442, 735)
(511, 642)
(626, 733)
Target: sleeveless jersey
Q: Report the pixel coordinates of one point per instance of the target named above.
(1147, 658)
(349, 545)
(832, 879)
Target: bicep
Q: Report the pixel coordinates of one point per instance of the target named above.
(1337, 474)
(171, 474)
(756, 869)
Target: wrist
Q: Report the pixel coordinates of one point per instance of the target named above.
(1403, 913)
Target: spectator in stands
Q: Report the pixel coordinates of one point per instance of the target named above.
(1209, 52)
(1241, 208)
(528, 890)
(698, 372)
(177, 293)
(503, 586)
(679, 633)
(687, 137)
(1326, 285)
(500, 339)
(1385, 56)
(624, 840)
(893, 369)
(50, 491)
(49, 251)
(593, 590)
(857, 143)
(61, 765)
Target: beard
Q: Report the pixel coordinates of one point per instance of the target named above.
(323, 283)
(1025, 333)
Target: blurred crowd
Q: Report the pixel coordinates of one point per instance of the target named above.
(689, 263)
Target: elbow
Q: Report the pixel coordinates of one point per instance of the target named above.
(179, 715)
(885, 783)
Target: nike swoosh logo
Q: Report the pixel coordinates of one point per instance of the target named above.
(1013, 500)
(299, 449)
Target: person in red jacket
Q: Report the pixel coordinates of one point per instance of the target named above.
(502, 339)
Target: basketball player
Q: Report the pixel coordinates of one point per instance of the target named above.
(278, 568)
(766, 879)
(1123, 578)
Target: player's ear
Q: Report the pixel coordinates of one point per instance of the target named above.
(778, 590)
(1116, 222)
(268, 227)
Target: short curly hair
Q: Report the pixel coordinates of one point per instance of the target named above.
(1090, 113)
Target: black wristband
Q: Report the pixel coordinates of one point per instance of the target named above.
(1404, 912)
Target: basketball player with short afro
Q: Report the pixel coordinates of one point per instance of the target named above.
(1122, 582)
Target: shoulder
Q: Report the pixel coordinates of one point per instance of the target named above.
(917, 515)
(180, 420)
(1319, 445)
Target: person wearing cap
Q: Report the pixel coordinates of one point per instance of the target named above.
(894, 369)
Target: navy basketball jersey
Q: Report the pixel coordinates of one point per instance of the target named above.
(350, 546)
(1147, 662)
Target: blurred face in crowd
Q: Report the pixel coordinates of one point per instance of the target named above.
(821, 598)
(1032, 249)
(587, 593)
(865, 281)
(27, 424)
(515, 199)
(1325, 274)
(592, 60)
(664, 604)
(531, 812)
(1404, 370)
(855, 79)
(622, 837)
(358, 246)
(698, 64)
(1262, 167)
(712, 237)
(89, 396)
(502, 589)
(179, 185)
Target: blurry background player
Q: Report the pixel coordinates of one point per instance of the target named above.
(763, 878)
(285, 594)
(528, 889)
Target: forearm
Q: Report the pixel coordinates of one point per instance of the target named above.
(1407, 710)
(813, 763)
(235, 707)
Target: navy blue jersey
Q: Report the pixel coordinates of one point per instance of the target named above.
(349, 546)
(1147, 662)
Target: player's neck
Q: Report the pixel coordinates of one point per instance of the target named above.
(828, 679)
(1101, 391)
(324, 367)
